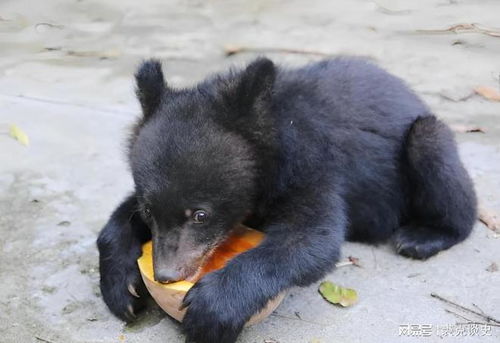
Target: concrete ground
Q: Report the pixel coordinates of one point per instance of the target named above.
(66, 79)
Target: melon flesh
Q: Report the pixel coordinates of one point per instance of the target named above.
(169, 296)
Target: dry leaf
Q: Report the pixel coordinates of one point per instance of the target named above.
(18, 134)
(338, 295)
(490, 219)
(492, 268)
(489, 93)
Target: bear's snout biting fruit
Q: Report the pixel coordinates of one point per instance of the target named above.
(169, 296)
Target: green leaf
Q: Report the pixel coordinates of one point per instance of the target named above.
(16, 133)
(338, 295)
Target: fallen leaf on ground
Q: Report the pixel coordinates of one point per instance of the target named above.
(489, 93)
(18, 134)
(338, 295)
(492, 268)
(490, 219)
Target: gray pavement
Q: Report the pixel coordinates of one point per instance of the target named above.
(66, 79)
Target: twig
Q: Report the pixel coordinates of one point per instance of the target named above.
(118, 113)
(458, 99)
(298, 319)
(467, 129)
(343, 264)
(56, 26)
(465, 28)
(233, 50)
(352, 261)
(458, 315)
(479, 308)
(482, 315)
(43, 339)
(478, 323)
(388, 11)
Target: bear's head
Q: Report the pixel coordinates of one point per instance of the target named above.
(193, 156)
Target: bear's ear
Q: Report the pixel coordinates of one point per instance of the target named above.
(150, 86)
(251, 90)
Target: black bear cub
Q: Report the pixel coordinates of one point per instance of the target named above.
(312, 156)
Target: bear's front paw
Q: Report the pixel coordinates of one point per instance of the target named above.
(123, 290)
(214, 314)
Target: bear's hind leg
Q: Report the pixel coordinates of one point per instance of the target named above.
(442, 197)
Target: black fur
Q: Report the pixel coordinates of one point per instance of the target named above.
(150, 86)
(311, 156)
(119, 245)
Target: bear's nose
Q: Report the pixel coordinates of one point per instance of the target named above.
(167, 276)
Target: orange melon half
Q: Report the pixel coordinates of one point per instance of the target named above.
(169, 296)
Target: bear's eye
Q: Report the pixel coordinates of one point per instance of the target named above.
(199, 216)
